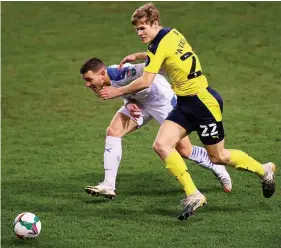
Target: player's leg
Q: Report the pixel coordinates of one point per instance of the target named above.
(241, 160)
(200, 156)
(195, 153)
(170, 133)
(120, 125)
(168, 136)
(211, 133)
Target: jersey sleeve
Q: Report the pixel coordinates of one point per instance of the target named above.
(126, 75)
(133, 71)
(138, 69)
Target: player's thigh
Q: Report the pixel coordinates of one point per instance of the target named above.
(120, 125)
(184, 147)
(217, 153)
(169, 134)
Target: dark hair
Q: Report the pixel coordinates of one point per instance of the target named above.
(93, 64)
(147, 11)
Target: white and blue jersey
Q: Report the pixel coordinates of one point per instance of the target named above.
(155, 102)
(158, 94)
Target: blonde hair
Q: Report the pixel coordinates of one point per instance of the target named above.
(147, 11)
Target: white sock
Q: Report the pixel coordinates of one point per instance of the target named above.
(112, 158)
(200, 156)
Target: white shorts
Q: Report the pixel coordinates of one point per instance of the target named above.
(159, 113)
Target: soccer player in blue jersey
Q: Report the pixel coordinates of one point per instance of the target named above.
(199, 107)
(155, 102)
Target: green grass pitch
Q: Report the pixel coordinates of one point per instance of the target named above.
(53, 128)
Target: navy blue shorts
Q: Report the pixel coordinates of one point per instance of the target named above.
(201, 113)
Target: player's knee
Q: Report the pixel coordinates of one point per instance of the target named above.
(158, 147)
(114, 132)
(162, 149)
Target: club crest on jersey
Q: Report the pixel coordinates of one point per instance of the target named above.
(131, 72)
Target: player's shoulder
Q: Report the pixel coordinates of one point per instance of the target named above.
(128, 71)
(114, 73)
(159, 39)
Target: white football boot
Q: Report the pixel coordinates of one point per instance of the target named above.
(268, 180)
(224, 178)
(191, 203)
(102, 189)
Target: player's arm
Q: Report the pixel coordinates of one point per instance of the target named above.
(131, 58)
(139, 84)
(140, 70)
(153, 64)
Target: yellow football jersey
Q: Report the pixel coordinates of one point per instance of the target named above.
(170, 50)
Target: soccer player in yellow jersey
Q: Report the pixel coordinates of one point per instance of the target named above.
(199, 108)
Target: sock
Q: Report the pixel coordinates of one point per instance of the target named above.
(200, 156)
(177, 167)
(112, 158)
(241, 160)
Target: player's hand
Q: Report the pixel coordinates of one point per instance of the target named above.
(134, 110)
(129, 58)
(109, 92)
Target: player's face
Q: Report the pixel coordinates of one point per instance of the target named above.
(146, 32)
(94, 80)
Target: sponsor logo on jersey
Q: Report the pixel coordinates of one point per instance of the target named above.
(131, 72)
